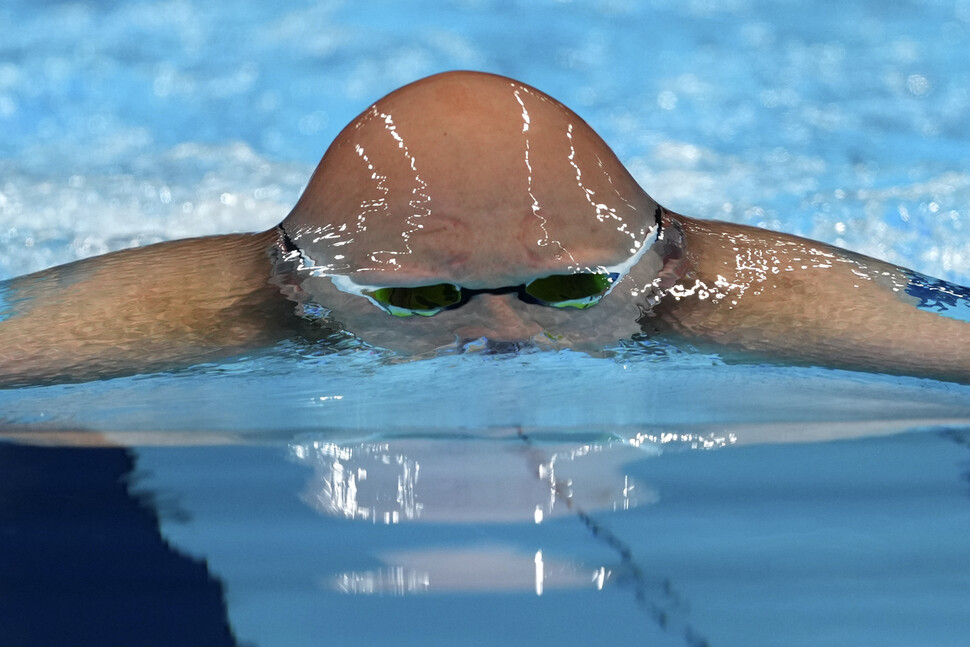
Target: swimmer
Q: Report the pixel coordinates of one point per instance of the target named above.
(463, 210)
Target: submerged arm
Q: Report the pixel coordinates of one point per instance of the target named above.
(799, 300)
(166, 305)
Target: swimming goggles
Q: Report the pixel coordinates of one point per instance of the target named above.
(581, 290)
(576, 290)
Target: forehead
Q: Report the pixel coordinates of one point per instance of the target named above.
(469, 178)
(452, 250)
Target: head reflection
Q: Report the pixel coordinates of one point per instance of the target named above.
(468, 481)
(426, 480)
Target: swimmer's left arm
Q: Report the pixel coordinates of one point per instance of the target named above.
(804, 301)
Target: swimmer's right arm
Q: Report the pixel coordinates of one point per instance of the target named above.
(163, 306)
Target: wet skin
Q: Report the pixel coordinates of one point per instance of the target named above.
(479, 181)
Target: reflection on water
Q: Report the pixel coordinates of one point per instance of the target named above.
(519, 478)
(739, 544)
(487, 568)
(514, 477)
(366, 481)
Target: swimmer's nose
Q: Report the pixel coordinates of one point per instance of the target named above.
(499, 317)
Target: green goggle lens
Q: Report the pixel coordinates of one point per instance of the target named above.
(558, 291)
(424, 300)
(570, 290)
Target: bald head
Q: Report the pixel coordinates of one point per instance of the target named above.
(473, 179)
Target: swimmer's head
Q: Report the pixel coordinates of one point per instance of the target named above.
(477, 181)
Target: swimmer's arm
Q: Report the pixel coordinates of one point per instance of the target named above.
(803, 301)
(162, 306)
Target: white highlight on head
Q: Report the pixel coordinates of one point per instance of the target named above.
(536, 208)
(379, 206)
(603, 211)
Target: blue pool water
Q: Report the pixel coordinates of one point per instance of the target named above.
(657, 497)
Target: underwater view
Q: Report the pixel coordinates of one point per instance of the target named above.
(325, 489)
